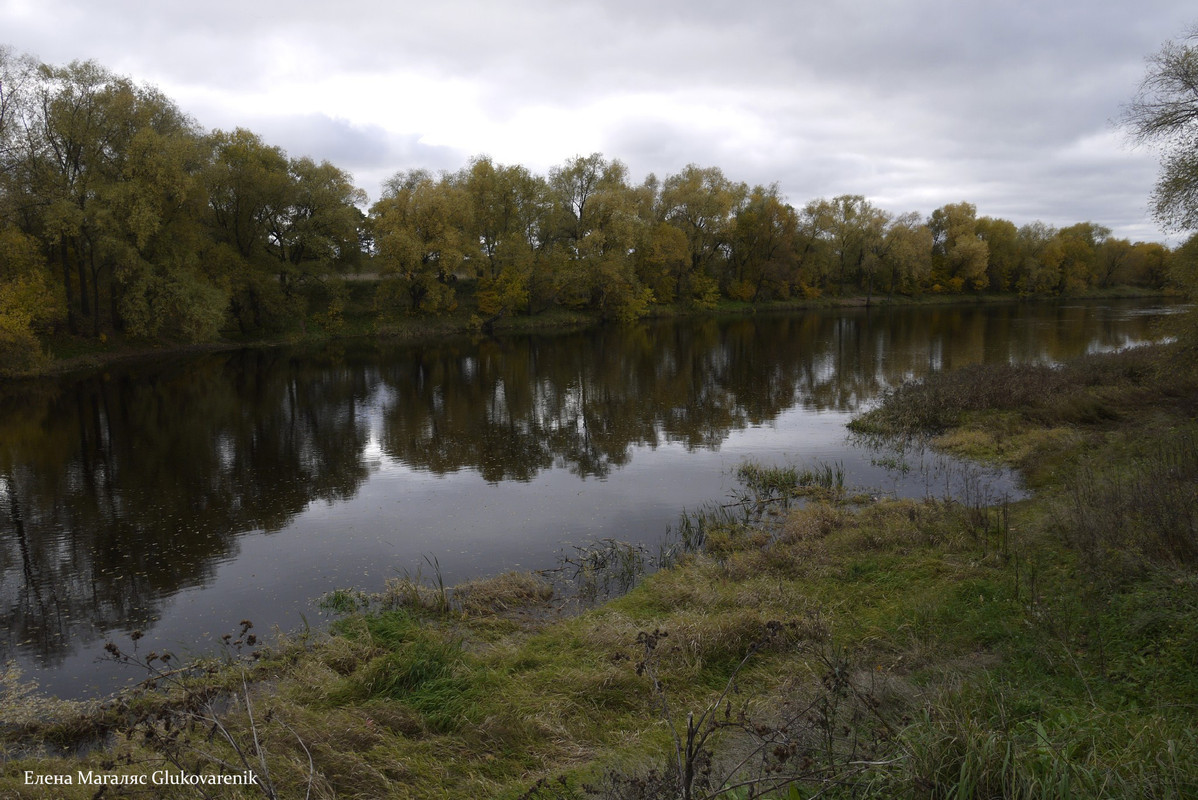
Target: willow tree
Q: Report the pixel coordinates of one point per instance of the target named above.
(853, 231)
(1080, 251)
(101, 172)
(1002, 243)
(278, 226)
(1164, 113)
(75, 134)
(960, 254)
(703, 204)
(598, 230)
(905, 253)
(511, 216)
(420, 231)
(27, 300)
(317, 232)
(763, 246)
(1040, 256)
(248, 185)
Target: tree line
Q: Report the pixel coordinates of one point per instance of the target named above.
(120, 214)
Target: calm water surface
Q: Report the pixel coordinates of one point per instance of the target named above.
(181, 496)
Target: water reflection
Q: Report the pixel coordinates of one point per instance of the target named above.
(122, 489)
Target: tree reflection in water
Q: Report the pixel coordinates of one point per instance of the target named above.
(122, 488)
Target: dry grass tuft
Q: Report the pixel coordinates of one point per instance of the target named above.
(502, 593)
(815, 521)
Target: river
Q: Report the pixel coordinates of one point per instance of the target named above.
(180, 495)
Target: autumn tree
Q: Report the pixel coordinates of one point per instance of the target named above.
(154, 231)
(318, 231)
(73, 134)
(27, 301)
(663, 263)
(702, 203)
(494, 198)
(853, 230)
(102, 173)
(812, 249)
(1150, 264)
(17, 77)
(960, 255)
(1119, 262)
(248, 185)
(763, 246)
(598, 230)
(1040, 256)
(148, 224)
(906, 254)
(1080, 251)
(278, 226)
(1002, 246)
(1164, 113)
(662, 255)
(421, 244)
(875, 224)
(511, 221)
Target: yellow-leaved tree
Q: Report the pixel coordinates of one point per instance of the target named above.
(27, 302)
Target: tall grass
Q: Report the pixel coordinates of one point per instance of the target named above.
(975, 746)
(1145, 506)
(761, 484)
(606, 567)
(1044, 394)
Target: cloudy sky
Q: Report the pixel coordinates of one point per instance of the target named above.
(912, 103)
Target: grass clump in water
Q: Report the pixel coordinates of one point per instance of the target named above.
(770, 483)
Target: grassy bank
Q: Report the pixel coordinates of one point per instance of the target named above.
(803, 641)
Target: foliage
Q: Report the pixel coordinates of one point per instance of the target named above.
(419, 235)
(160, 306)
(1164, 113)
(960, 255)
(1183, 271)
(27, 302)
(147, 226)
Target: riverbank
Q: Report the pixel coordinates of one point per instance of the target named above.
(839, 644)
(68, 354)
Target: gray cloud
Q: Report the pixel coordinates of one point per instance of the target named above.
(370, 153)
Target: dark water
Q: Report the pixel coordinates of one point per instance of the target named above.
(181, 496)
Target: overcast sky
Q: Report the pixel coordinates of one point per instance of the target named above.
(912, 103)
